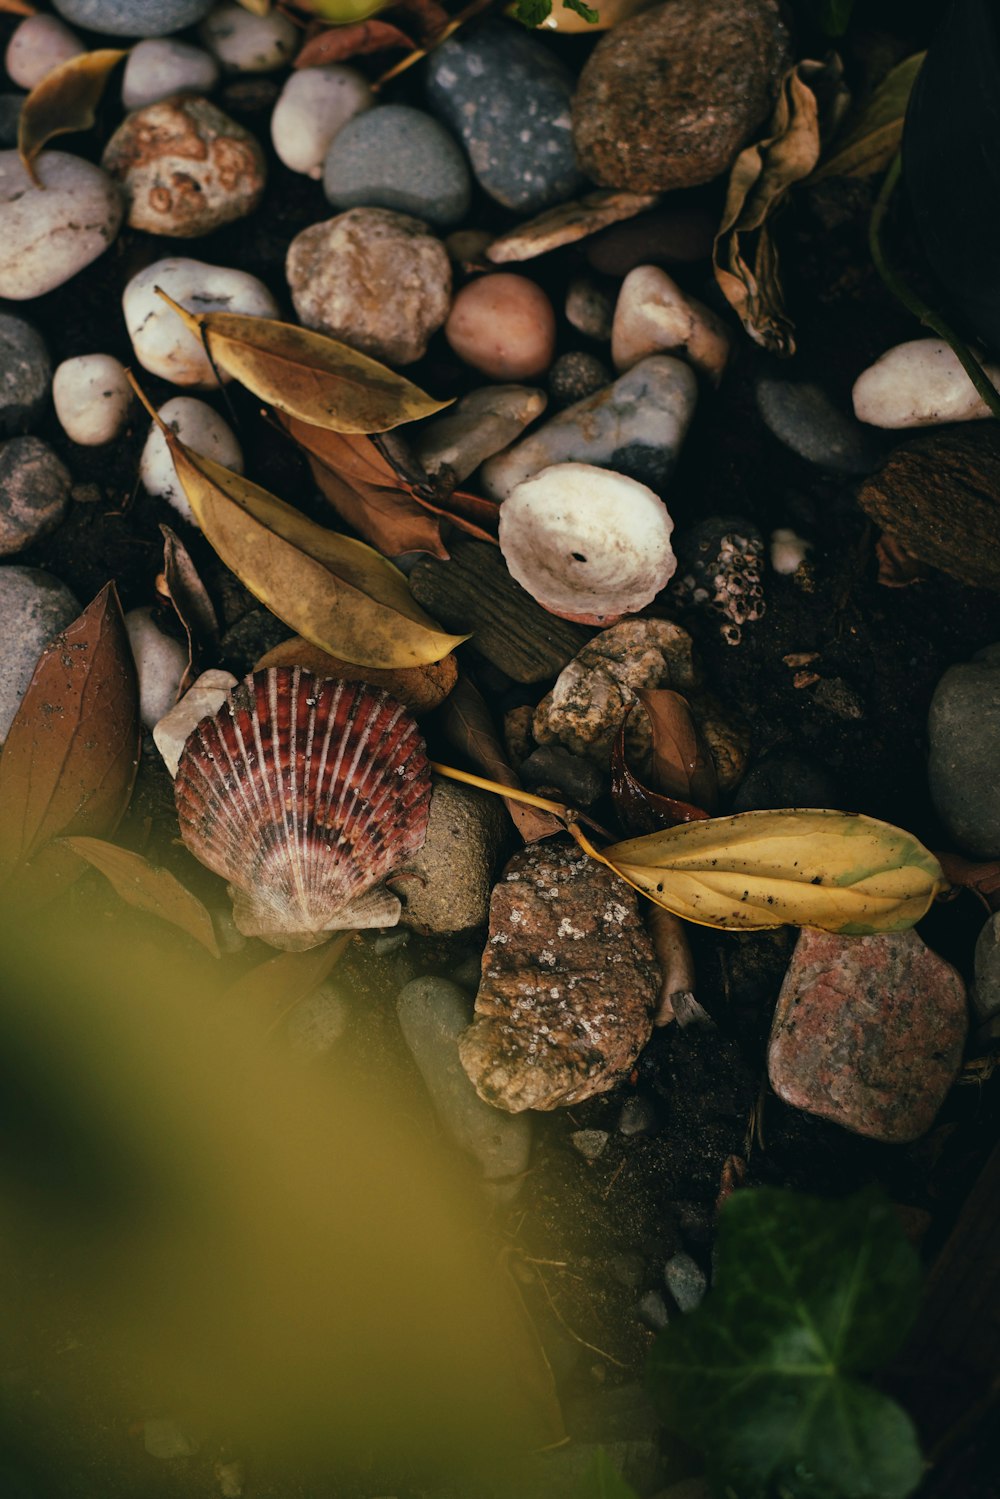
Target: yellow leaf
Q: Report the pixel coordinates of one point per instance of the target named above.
(874, 140)
(65, 100)
(148, 889)
(257, 7)
(306, 374)
(838, 871)
(338, 593)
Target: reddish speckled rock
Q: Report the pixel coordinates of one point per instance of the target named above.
(868, 1032)
(569, 983)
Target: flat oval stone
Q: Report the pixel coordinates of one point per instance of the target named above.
(37, 46)
(34, 607)
(25, 374)
(134, 17)
(314, 105)
(92, 398)
(803, 417)
(964, 732)
(400, 158)
(160, 662)
(248, 43)
(50, 233)
(509, 100)
(163, 66)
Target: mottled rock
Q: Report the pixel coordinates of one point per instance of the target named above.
(568, 987)
(163, 66)
(674, 235)
(508, 98)
(653, 316)
(248, 43)
(185, 168)
(34, 607)
(34, 493)
(589, 309)
(201, 429)
(669, 98)
(134, 17)
(49, 233)
(686, 1281)
(868, 1032)
(635, 427)
(590, 1143)
(803, 417)
(400, 158)
(477, 426)
(720, 568)
(433, 1013)
(377, 280)
(985, 994)
(575, 377)
(447, 888)
(314, 105)
(162, 344)
(39, 44)
(591, 697)
(203, 699)
(964, 732)
(919, 384)
(160, 663)
(92, 398)
(25, 374)
(504, 326)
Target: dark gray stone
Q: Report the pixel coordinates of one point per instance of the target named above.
(509, 101)
(576, 376)
(964, 730)
(576, 778)
(10, 113)
(686, 1281)
(639, 1116)
(399, 158)
(134, 17)
(784, 778)
(34, 607)
(986, 989)
(25, 374)
(590, 1143)
(652, 1311)
(805, 419)
(34, 493)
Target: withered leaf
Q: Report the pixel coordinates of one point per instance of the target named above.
(257, 7)
(420, 688)
(682, 764)
(17, 8)
(147, 888)
(71, 756)
(339, 43)
(966, 874)
(744, 256)
(468, 726)
(897, 568)
(65, 100)
(641, 809)
(870, 145)
(306, 374)
(275, 987)
(429, 18)
(568, 223)
(190, 600)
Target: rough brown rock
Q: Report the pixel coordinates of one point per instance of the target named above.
(185, 167)
(568, 987)
(380, 281)
(669, 98)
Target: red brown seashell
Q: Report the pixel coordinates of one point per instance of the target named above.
(305, 792)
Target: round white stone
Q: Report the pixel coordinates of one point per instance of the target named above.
(586, 541)
(919, 384)
(48, 234)
(788, 550)
(198, 427)
(162, 66)
(161, 342)
(246, 43)
(92, 397)
(203, 699)
(160, 662)
(37, 46)
(314, 105)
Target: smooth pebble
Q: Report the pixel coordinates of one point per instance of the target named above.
(985, 993)
(162, 66)
(686, 1281)
(589, 309)
(203, 699)
(38, 45)
(788, 550)
(919, 384)
(160, 662)
(803, 417)
(964, 732)
(575, 376)
(92, 397)
(477, 426)
(319, 1022)
(134, 17)
(504, 326)
(25, 374)
(200, 428)
(34, 493)
(453, 871)
(314, 105)
(34, 607)
(399, 158)
(654, 316)
(49, 233)
(248, 43)
(162, 344)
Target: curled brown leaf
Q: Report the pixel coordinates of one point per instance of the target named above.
(142, 885)
(190, 600)
(468, 726)
(682, 764)
(64, 101)
(339, 43)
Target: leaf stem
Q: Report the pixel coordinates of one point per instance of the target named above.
(912, 301)
(565, 814)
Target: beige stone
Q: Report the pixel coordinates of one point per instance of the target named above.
(504, 326)
(653, 316)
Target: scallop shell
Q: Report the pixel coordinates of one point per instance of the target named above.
(305, 793)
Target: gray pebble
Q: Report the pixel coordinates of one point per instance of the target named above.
(985, 992)
(628, 1269)
(134, 17)
(639, 1116)
(399, 158)
(964, 731)
(319, 1022)
(579, 780)
(25, 374)
(165, 1439)
(10, 114)
(34, 607)
(805, 419)
(433, 1014)
(34, 493)
(589, 309)
(686, 1281)
(575, 376)
(590, 1143)
(653, 1311)
(466, 971)
(784, 778)
(389, 942)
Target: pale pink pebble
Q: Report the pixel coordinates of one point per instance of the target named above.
(504, 326)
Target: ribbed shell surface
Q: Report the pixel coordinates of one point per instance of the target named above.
(304, 792)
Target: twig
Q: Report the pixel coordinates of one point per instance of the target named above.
(575, 1335)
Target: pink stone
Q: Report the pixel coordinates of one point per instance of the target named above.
(868, 1032)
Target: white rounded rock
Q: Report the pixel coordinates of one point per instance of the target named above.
(161, 342)
(199, 427)
(588, 544)
(203, 699)
(92, 397)
(653, 316)
(37, 46)
(162, 66)
(919, 384)
(314, 105)
(788, 550)
(160, 663)
(50, 233)
(245, 43)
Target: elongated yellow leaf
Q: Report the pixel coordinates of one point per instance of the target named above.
(307, 374)
(837, 871)
(874, 140)
(149, 889)
(65, 100)
(340, 594)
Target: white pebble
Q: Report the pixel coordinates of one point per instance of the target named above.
(246, 43)
(37, 46)
(313, 106)
(162, 66)
(49, 233)
(203, 699)
(160, 662)
(198, 427)
(788, 551)
(653, 316)
(161, 342)
(92, 398)
(919, 384)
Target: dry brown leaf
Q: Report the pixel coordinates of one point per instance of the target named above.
(871, 144)
(190, 600)
(640, 808)
(420, 688)
(966, 874)
(142, 885)
(17, 8)
(469, 727)
(64, 101)
(339, 43)
(71, 755)
(306, 374)
(274, 988)
(898, 568)
(429, 17)
(744, 255)
(682, 764)
(568, 223)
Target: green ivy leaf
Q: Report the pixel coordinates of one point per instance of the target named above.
(763, 1377)
(589, 14)
(532, 13)
(603, 1481)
